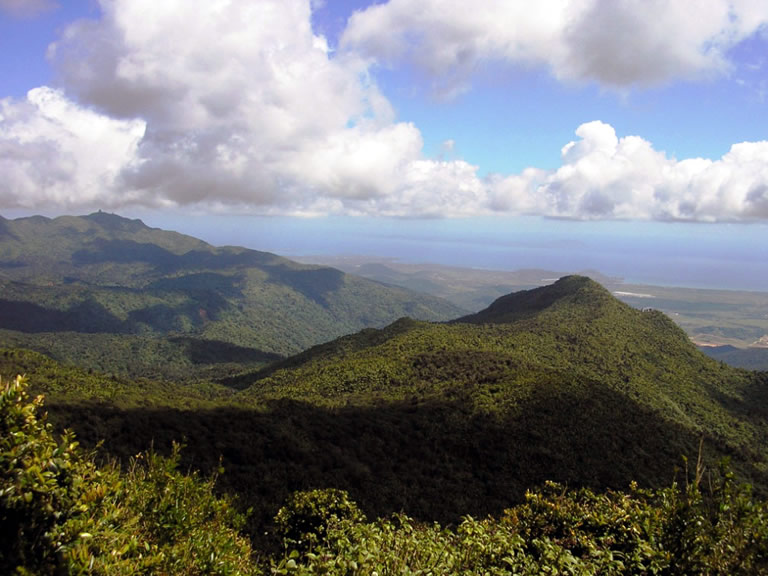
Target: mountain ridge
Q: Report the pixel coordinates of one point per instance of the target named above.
(441, 420)
(571, 338)
(100, 275)
(576, 289)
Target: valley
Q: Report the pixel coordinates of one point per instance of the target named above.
(114, 295)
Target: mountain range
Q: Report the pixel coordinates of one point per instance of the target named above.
(562, 382)
(290, 377)
(729, 325)
(115, 295)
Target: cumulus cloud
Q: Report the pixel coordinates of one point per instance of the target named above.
(603, 176)
(243, 104)
(243, 108)
(26, 8)
(617, 43)
(53, 152)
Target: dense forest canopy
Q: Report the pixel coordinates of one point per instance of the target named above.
(62, 512)
(115, 295)
(547, 432)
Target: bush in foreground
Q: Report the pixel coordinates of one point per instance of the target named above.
(673, 531)
(60, 513)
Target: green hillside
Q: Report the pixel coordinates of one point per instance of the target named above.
(64, 512)
(558, 383)
(562, 383)
(116, 295)
(711, 318)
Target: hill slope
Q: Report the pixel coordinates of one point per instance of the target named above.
(109, 292)
(563, 383)
(560, 383)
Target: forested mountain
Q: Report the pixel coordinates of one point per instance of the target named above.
(562, 383)
(470, 288)
(65, 512)
(729, 325)
(116, 295)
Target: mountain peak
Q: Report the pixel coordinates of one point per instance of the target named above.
(579, 290)
(110, 221)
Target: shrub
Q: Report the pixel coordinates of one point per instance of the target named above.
(303, 522)
(61, 513)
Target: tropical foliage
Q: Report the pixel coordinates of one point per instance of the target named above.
(114, 295)
(62, 513)
(438, 421)
(440, 432)
(678, 530)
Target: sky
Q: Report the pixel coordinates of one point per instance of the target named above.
(628, 136)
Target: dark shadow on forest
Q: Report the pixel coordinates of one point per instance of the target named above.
(201, 283)
(5, 229)
(314, 283)
(200, 351)
(434, 460)
(89, 317)
(126, 251)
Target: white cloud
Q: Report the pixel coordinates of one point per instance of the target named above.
(436, 189)
(53, 152)
(243, 103)
(606, 177)
(617, 43)
(243, 109)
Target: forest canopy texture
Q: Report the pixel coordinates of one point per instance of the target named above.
(63, 513)
(557, 431)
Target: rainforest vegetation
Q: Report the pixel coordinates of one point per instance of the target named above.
(112, 294)
(557, 431)
(62, 512)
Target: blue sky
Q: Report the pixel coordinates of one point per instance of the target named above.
(621, 135)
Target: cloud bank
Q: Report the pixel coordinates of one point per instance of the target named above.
(617, 43)
(245, 108)
(55, 153)
(606, 177)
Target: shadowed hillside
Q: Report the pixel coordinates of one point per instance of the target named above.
(560, 383)
(116, 295)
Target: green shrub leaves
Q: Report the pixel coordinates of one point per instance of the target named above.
(61, 513)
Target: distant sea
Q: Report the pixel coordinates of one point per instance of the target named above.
(698, 255)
